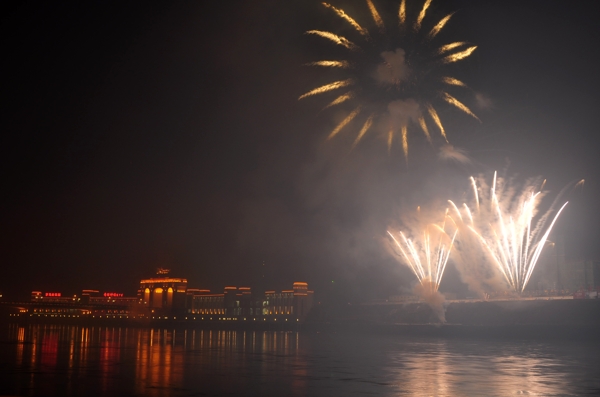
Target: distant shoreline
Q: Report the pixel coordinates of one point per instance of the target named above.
(501, 318)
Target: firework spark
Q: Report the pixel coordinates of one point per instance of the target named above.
(459, 55)
(436, 29)
(427, 254)
(393, 73)
(422, 14)
(328, 87)
(449, 47)
(335, 38)
(504, 225)
(453, 101)
(348, 19)
(340, 99)
(330, 64)
(453, 81)
(344, 122)
(402, 12)
(375, 14)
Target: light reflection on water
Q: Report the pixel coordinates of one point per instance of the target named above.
(70, 361)
(516, 368)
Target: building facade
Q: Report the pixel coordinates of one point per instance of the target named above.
(236, 303)
(581, 274)
(163, 294)
(166, 297)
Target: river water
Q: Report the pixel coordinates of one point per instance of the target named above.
(60, 360)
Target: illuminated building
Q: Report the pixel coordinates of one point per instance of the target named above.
(86, 295)
(164, 294)
(164, 297)
(39, 296)
(114, 298)
(250, 305)
(203, 302)
(91, 303)
(303, 299)
(297, 301)
(90, 296)
(239, 303)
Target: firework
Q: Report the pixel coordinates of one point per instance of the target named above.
(392, 73)
(502, 220)
(427, 254)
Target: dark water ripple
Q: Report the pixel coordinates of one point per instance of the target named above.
(50, 360)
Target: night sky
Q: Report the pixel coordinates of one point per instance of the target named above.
(169, 134)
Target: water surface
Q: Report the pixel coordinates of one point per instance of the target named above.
(56, 360)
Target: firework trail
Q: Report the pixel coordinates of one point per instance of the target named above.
(502, 220)
(392, 73)
(427, 254)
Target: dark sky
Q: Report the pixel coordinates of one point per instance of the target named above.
(169, 134)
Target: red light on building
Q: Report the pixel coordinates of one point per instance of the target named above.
(112, 295)
(52, 294)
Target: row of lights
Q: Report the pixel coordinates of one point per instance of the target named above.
(154, 318)
(46, 315)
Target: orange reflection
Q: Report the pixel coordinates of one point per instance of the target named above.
(49, 349)
(21, 340)
(162, 360)
(451, 369)
(109, 354)
(159, 362)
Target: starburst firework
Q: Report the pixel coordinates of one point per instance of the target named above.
(393, 73)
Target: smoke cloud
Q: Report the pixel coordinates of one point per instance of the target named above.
(394, 69)
(402, 112)
(426, 291)
(450, 153)
(475, 266)
(483, 102)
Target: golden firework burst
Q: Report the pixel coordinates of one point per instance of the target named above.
(393, 73)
